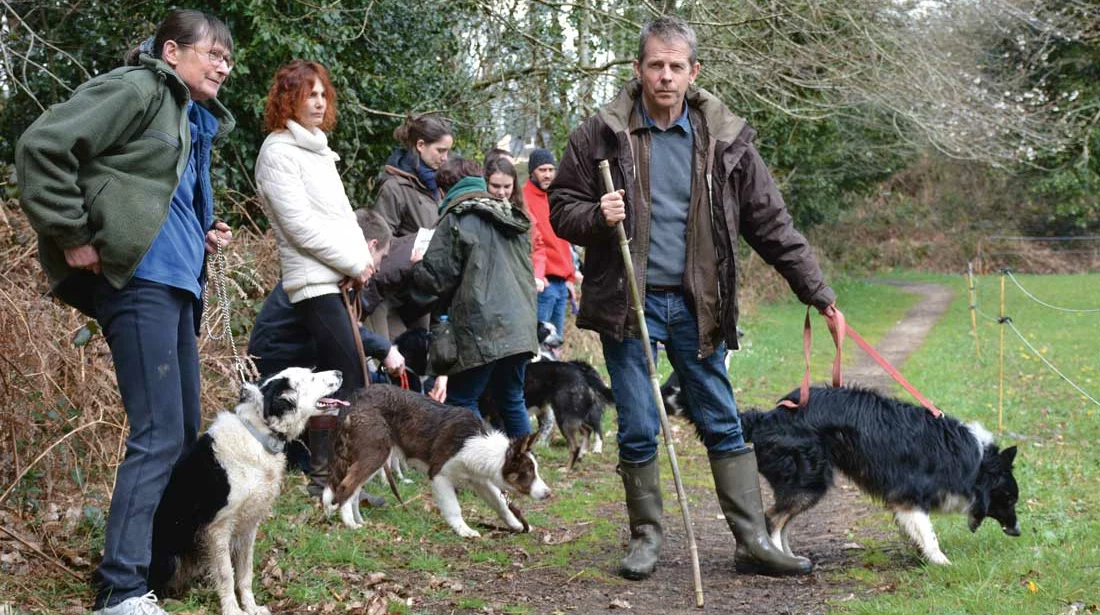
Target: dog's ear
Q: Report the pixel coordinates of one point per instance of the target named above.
(279, 397)
(1008, 456)
(528, 443)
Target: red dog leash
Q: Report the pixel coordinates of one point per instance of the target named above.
(838, 327)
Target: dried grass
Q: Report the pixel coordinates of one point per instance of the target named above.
(60, 412)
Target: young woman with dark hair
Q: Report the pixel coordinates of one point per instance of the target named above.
(502, 182)
(408, 197)
(116, 180)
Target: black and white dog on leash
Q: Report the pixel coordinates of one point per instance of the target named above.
(894, 451)
(226, 484)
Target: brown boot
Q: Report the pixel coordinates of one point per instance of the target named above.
(644, 507)
(738, 488)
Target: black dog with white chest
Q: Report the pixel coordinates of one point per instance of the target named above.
(894, 451)
(226, 484)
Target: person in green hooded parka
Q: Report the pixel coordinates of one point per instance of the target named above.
(477, 275)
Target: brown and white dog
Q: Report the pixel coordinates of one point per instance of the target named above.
(226, 484)
(452, 445)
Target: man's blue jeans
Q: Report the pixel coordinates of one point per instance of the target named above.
(150, 330)
(704, 382)
(552, 303)
(504, 379)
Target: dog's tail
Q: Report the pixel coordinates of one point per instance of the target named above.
(592, 377)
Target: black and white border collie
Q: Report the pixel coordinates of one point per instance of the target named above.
(571, 395)
(226, 484)
(452, 445)
(894, 451)
(549, 341)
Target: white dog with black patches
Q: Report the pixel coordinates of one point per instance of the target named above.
(227, 483)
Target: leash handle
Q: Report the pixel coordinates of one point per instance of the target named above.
(352, 306)
(838, 327)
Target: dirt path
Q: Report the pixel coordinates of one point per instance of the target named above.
(830, 535)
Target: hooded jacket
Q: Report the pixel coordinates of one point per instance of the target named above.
(477, 270)
(732, 195)
(101, 169)
(403, 200)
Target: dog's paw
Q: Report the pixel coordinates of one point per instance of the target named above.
(467, 532)
(259, 610)
(519, 518)
(939, 559)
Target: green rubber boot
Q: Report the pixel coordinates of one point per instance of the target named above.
(738, 488)
(644, 508)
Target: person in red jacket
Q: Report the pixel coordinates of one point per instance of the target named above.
(559, 289)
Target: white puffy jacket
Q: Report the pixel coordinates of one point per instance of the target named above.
(319, 239)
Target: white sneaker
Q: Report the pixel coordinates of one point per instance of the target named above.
(138, 605)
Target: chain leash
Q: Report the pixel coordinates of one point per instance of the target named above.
(218, 269)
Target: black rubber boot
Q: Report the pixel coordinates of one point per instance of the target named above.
(738, 488)
(644, 507)
(319, 439)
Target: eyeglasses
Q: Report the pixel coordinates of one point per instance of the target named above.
(216, 56)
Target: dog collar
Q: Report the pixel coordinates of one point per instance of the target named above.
(270, 443)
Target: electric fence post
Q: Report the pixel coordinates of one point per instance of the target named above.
(1002, 319)
(973, 308)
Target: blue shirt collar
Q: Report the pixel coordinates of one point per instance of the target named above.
(683, 122)
(202, 119)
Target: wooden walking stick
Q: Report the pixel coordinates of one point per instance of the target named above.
(654, 381)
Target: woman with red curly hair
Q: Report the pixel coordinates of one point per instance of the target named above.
(320, 244)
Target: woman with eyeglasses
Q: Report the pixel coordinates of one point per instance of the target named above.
(116, 181)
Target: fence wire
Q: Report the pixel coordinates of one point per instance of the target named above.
(1045, 304)
(1050, 365)
(1012, 325)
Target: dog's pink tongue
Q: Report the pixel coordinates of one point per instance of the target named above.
(329, 402)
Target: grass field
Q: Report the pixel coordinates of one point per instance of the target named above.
(1054, 565)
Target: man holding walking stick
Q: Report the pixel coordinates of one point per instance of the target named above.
(689, 184)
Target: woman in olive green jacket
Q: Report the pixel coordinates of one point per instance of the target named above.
(477, 273)
(116, 181)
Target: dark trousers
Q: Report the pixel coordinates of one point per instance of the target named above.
(504, 380)
(704, 382)
(150, 330)
(328, 324)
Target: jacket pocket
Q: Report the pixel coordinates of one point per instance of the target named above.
(93, 205)
(163, 137)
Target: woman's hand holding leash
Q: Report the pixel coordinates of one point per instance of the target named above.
(394, 361)
(220, 235)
